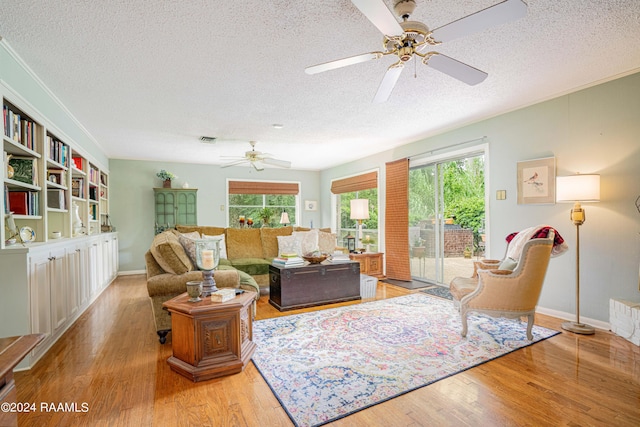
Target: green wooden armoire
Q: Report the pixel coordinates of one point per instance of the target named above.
(175, 206)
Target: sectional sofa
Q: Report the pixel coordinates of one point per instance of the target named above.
(244, 263)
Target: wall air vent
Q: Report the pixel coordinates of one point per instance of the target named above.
(208, 139)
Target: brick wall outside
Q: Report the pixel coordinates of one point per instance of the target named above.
(456, 239)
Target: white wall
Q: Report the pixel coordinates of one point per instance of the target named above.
(132, 205)
(596, 130)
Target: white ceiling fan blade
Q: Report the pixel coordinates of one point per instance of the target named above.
(456, 69)
(379, 14)
(501, 13)
(338, 63)
(257, 166)
(234, 163)
(388, 82)
(276, 162)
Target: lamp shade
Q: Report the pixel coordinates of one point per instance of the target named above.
(578, 188)
(360, 209)
(284, 218)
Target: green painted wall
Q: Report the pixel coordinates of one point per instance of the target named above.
(132, 209)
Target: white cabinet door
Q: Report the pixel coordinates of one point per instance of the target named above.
(59, 288)
(95, 267)
(106, 261)
(74, 287)
(39, 281)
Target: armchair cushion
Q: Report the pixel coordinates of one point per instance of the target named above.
(508, 264)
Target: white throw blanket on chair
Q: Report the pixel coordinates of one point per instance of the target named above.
(517, 243)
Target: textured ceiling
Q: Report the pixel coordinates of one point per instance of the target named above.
(147, 78)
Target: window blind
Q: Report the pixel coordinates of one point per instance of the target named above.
(355, 183)
(262, 187)
(397, 220)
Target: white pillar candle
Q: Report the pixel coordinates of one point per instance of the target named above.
(207, 259)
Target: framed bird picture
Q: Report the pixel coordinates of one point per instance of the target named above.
(537, 181)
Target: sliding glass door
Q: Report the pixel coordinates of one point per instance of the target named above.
(446, 216)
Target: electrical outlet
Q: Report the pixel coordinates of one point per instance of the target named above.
(222, 208)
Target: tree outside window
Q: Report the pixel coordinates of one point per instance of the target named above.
(346, 225)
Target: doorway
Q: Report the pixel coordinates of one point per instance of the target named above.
(446, 216)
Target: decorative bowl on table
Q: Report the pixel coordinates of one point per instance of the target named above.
(315, 258)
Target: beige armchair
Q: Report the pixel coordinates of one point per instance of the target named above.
(506, 293)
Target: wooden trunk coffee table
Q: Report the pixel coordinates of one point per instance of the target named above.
(211, 339)
(313, 284)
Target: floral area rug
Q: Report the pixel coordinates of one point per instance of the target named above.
(331, 363)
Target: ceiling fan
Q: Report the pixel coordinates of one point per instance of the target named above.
(257, 159)
(407, 39)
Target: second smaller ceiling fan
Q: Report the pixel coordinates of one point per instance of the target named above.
(257, 159)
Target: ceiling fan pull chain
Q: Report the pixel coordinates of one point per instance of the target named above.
(415, 69)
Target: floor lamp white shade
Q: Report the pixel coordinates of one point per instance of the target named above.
(578, 188)
(359, 212)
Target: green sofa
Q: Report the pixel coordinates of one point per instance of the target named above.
(169, 268)
(250, 250)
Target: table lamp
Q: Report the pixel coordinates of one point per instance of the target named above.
(578, 188)
(359, 212)
(284, 218)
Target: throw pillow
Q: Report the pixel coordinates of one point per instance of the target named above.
(326, 242)
(223, 245)
(169, 254)
(289, 245)
(508, 264)
(188, 242)
(308, 240)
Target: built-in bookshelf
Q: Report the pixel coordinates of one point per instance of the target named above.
(45, 177)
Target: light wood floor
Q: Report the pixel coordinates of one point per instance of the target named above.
(112, 361)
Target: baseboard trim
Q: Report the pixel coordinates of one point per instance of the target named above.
(131, 272)
(571, 317)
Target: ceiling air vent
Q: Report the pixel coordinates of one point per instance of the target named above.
(208, 139)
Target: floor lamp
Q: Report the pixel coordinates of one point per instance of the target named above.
(359, 212)
(578, 188)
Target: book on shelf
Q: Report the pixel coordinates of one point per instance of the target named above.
(18, 128)
(93, 193)
(78, 162)
(7, 211)
(24, 202)
(56, 199)
(58, 150)
(223, 294)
